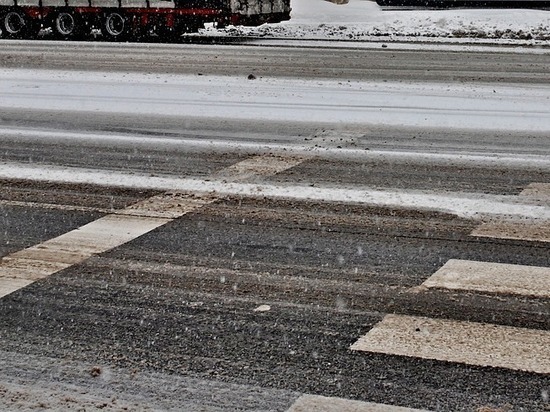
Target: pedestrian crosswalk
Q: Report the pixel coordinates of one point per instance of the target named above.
(474, 343)
(448, 340)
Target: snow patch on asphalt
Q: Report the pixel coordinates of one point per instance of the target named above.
(467, 205)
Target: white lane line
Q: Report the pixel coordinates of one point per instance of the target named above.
(53, 206)
(492, 277)
(240, 145)
(472, 205)
(257, 166)
(26, 266)
(458, 341)
(315, 403)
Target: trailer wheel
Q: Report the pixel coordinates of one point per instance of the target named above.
(116, 26)
(16, 25)
(68, 26)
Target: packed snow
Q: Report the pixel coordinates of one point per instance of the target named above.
(463, 106)
(361, 20)
(466, 205)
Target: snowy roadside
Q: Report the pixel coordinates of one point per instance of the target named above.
(364, 20)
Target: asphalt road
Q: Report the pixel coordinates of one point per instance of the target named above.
(245, 294)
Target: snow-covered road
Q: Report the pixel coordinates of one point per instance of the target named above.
(465, 106)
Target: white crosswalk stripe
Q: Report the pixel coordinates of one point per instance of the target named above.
(516, 230)
(458, 341)
(538, 191)
(313, 403)
(492, 277)
(51, 256)
(532, 230)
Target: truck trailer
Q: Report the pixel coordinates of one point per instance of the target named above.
(129, 20)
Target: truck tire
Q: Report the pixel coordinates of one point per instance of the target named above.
(17, 25)
(68, 26)
(116, 26)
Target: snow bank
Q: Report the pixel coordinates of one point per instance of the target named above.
(365, 20)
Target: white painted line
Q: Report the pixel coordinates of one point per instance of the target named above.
(515, 230)
(53, 206)
(537, 231)
(492, 277)
(168, 205)
(26, 266)
(29, 269)
(8, 286)
(458, 341)
(522, 161)
(539, 191)
(474, 206)
(315, 403)
(258, 166)
(49, 257)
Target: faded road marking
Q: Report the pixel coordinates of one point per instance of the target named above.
(492, 277)
(257, 166)
(315, 403)
(540, 191)
(515, 230)
(538, 231)
(37, 262)
(459, 341)
(168, 206)
(53, 206)
(49, 257)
